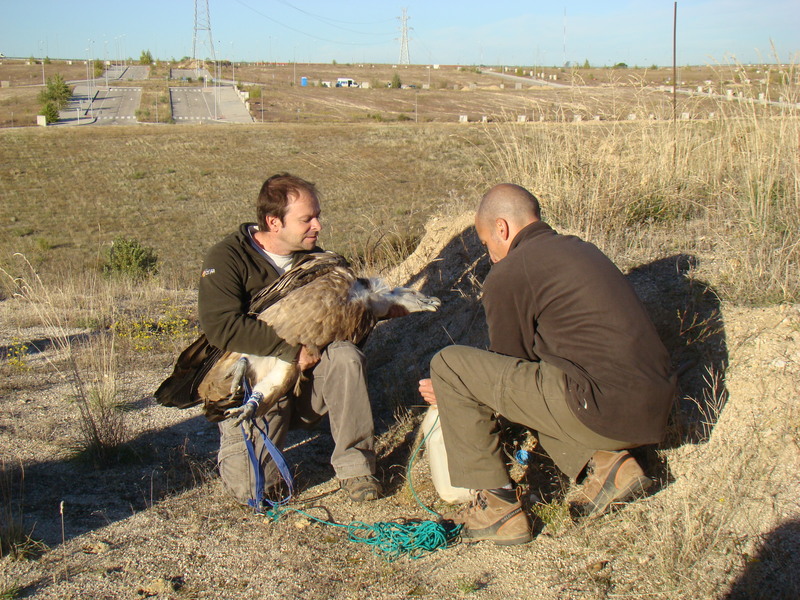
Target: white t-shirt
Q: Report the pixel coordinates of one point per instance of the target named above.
(281, 262)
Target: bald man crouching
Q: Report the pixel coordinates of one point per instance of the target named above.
(573, 355)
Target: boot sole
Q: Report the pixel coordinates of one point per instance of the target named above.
(610, 495)
(499, 541)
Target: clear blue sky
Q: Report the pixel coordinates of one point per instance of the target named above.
(605, 32)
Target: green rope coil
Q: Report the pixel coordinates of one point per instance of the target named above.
(393, 539)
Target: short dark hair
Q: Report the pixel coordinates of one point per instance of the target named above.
(273, 199)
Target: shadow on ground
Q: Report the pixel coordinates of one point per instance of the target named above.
(773, 573)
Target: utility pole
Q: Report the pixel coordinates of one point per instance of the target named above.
(404, 60)
(41, 53)
(674, 62)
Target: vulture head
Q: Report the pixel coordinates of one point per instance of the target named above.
(381, 299)
(318, 301)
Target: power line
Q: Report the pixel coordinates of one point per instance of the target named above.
(305, 33)
(331, 20)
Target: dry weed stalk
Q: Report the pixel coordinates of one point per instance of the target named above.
(91, 370)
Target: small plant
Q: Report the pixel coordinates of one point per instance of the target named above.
(128, 258)
(17, 353)
(147, 334)
(104, 431)
(468, 586)
(43, 244)
(396, 84)
(14, 540)
(555, 515)
(9, 591)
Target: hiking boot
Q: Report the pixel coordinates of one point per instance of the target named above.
(362, 488)
(613, 477)
(490, 517)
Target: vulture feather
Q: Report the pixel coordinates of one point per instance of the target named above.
(317, 302)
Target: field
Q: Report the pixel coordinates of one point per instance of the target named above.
(448, 93)
(105, 494)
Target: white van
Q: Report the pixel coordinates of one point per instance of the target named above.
(346, 82)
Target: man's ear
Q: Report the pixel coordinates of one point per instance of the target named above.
(501, 226)
(273, 223)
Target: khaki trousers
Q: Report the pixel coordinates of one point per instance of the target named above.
(337, 387)
(471, 385)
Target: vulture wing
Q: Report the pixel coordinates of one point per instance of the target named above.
(322, 311)
(310, 267)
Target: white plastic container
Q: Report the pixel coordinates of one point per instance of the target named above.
(437, 458)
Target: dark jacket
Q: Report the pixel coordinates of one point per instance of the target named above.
(233, 272)
(558, 299)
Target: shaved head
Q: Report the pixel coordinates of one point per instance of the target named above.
(511, 202)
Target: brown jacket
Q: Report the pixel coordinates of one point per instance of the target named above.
(558, 299)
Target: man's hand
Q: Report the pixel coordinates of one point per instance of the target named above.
(306, 360)
(426, 391)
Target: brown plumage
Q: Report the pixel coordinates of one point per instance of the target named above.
(317, 302)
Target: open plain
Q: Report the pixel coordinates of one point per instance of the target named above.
(106, 494)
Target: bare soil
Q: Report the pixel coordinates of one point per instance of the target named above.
(724, 520)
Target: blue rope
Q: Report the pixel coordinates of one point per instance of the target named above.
(259, 493)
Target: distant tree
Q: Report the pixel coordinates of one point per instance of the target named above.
(146, 58)
(396, 83)
(50, 112)
(334, 63)
(586, 64)
(56, 91)
(620, 65)
(98, 67)
(47, 60)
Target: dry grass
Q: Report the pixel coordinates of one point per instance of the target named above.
(723, 191)
(729, 186)
(161, 184)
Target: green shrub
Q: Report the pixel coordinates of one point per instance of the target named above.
(56, 92)
(50, 112)
(128, 258)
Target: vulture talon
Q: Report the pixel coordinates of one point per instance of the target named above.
(238, 372)
(246, 411)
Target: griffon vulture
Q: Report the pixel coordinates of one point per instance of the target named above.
(313, 304)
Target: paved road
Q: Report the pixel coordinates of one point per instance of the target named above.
(215, 104)
(525, 80)
(128, 73)
(101, 106)
(189, 74)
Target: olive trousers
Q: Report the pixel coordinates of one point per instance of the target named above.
(473, 385)
(336, 387)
